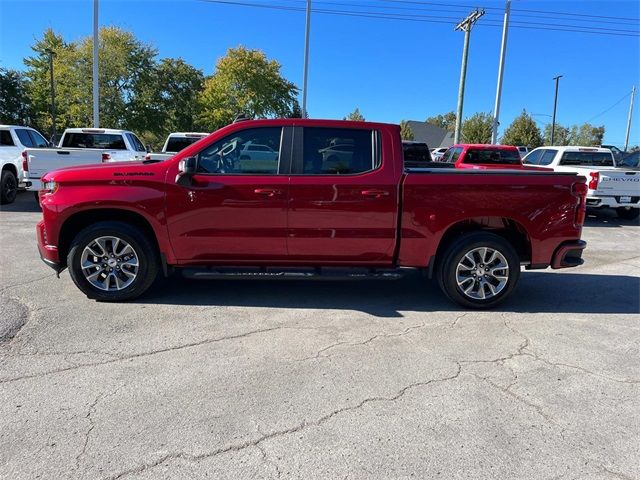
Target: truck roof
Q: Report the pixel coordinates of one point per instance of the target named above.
(96, 130)
(485, 146)
(576, 148)
(188, 134)
(314, 123)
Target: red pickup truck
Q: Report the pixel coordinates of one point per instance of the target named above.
(305, 198)
(484, 157)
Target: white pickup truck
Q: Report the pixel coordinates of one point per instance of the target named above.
(81, 146)
(14, 139)
(609, 187)
(175, 142)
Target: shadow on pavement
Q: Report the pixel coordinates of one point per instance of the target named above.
(537, 292)
(25, 202)
(607, 218)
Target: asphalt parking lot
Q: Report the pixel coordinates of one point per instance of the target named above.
(278, 379)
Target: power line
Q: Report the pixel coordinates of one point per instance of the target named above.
(430, 19)
(608, 109)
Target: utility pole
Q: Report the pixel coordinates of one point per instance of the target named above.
(306, 60)
(555, 106)
(465, 25)
(96, 88)
(626, 137)
(53, 97)
(503, 51)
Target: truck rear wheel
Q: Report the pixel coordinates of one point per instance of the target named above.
(628, 213)
(8, 187)
(112, 261)
(479, 270)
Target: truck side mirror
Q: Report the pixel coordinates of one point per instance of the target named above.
(147, 148)
(187, 168)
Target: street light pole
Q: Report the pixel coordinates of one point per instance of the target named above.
(465, 25)
(555, 106)
(306, 60)
(96, 87)
(503, 52)
(53, 96)
(626, 137)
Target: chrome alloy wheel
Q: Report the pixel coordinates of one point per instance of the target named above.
(109, 263)
(482, 273)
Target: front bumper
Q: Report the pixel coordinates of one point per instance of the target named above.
(48, 253)
(569, 254)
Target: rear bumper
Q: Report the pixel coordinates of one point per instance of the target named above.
(611, 202)
(569, 254)
(48, 253)
(33, 184)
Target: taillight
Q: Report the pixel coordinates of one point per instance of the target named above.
(580, 191)
(105, 157)
(25, 161)
(595, 178)
(147, 156)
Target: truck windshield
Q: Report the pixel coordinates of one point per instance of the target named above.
(175, 144)
(589, 159)
(94, 140)
(491, 156)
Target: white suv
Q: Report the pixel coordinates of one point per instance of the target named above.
(14, 139)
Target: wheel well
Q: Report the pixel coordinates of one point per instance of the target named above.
(507, 228)
(11, 167)
(81, 220)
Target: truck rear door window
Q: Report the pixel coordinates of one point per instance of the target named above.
(5, 139)
(338, 151)
(588, 159)
(104, 141)
(38, 140)
(23, 136)
(547, 157)
(493, 156)
(236, 153)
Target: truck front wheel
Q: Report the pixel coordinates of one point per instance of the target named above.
(112, 261)
(8, 187)
(479, 270)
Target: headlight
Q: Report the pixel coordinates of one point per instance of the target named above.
(49, 187)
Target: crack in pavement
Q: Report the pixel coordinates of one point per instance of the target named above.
(365, 342)
(153, 352)
(618, 475)
(267, 460)
(91, 410)
(301, 426)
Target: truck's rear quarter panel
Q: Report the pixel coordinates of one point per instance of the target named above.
(542, 204)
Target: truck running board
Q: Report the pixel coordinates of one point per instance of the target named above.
(284, 273)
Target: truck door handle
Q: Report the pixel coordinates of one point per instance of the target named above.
(375, 193)
(268, 192)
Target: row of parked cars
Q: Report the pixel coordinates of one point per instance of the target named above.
(26, 155)
(611, 184)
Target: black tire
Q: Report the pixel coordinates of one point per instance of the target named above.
(146, 252)
(8, 187)
(628, 213)
(447, 268)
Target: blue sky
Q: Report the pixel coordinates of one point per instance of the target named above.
(390, 69)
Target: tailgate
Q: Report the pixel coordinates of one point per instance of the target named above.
(43, 160)
(618, 183)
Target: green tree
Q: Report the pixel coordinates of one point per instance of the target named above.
(522, 131)
(355, 116)
(477, 128)
(170, 97)
(246, 82)
(15, 105)
(585, 135)
(39, 86)
(405, 131)
(446, 121)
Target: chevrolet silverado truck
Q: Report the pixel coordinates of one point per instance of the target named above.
(609, 187)
(212, 213)
(80, 146)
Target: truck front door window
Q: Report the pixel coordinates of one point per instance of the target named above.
(253, 151)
